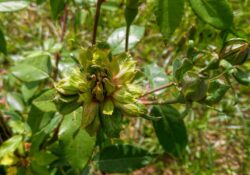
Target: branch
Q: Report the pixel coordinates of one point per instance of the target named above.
(158, 89)
(155, 102)
(64, 20)
(97, 15)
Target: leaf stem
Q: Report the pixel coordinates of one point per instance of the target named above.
(97, 15)
(158, 89)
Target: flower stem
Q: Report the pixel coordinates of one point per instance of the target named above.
(97, 15)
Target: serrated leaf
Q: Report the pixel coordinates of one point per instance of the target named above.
(10, 6)
(118, 37)
(169, 14)
(214, 12)
(170, 130)
(122, 158)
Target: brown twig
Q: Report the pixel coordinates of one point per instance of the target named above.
(155, 102)
(158, 89)
(97, 15)
(64, 20)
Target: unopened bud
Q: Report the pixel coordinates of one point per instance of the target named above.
(109, 87)
(90, 111)
(98, 92)
(235, 51)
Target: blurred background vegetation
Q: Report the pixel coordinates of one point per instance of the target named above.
(219, 138)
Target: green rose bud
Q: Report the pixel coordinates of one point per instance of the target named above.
(132, 109)
(109, 87)
(123, 96)
(194, 88)
(98, 92)
(90, 111)
(235, 51)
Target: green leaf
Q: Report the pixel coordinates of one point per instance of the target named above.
(15, 101)
(156, 75)
(13, 5)
(122, 158)
(44, 101)
(33, 68)
(57, 7)
(169, 14)
(214, 12)
(111, 124)
(170, 130)
(216, 92)
(77, 144)
(29, 89)
(10, 145)
(242, 77)
(180, 67)
(38, 119)
(3, 48)
(118, 37)
(66, 108)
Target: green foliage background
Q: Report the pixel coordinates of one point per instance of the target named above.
(39, 43)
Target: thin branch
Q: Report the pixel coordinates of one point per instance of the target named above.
(64, 20)
(97, 15)
(173, 101)
(158, 89)
(127, 38)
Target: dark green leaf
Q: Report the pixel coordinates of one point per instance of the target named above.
(57, 7)
(242, 77)
(180, 67)
(131, 11)
(216, 92)
(3, 48)
(111, 124)
(13, 5)
(118, 37)
(37, 119)
(169, 14)
(214, 12)
(170, 130)
(122, 158)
